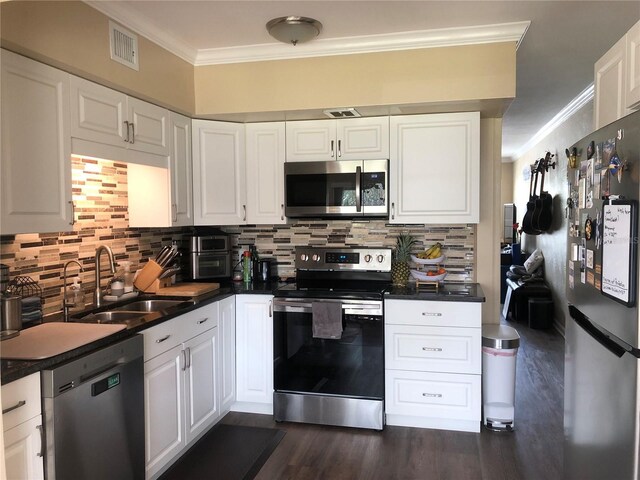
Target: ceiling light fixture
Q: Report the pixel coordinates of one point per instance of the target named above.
(294, 29)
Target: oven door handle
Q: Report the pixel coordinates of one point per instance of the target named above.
(306, 307)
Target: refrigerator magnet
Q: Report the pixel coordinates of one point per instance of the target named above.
(588, 228)
(590, 149)
(591, 279)
(589, 258)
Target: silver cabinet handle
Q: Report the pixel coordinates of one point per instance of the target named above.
(200, 322)
(21, 403)
(42, 441)
(73, 213)
(332, 151)
(174, 209)
(133, 133)
(270, 308)
(431, 349)
(393, 210)
(244, 213)
(188, 357)
(160, 340)
(126, 124)
(184, 360)
(339, 148)
(431, 314)
(433, 395)
(282, 211)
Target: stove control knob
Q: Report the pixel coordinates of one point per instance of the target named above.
(315, 258)
(367, 258)
(380, 258)
(304, 257)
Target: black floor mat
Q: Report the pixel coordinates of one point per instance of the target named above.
(227, 452)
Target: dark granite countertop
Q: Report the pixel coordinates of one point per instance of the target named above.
(448, 292)
(15, 369)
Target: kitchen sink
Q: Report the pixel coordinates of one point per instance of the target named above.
(112, 317)
(146, 306)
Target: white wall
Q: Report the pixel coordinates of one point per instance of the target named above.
(554, 243)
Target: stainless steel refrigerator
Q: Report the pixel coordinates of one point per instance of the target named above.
(602, 398)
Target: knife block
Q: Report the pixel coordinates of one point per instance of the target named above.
(147, 276)
(157, 284)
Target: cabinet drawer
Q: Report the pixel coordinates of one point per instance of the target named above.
(434, 349)
(433, 395)
(438, 314)
(25, 390)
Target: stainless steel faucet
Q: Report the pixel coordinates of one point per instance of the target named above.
(97, 296)
(65, 304)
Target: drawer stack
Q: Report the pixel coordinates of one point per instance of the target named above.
(433, 364)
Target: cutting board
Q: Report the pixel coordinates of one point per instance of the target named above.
(188, 289)
(51, 339)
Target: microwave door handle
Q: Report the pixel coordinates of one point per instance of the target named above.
(358, 189)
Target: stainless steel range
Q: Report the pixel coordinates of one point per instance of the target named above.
(329, 338)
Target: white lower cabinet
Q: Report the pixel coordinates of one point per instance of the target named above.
(22, 424)
(433, 367)
(254, 354)
(183, 382)
(227, 334)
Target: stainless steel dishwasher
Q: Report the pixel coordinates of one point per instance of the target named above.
(94, 415)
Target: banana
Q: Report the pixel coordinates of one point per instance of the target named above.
(435, 253)
(431, 249)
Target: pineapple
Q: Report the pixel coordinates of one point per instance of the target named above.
(400, 266)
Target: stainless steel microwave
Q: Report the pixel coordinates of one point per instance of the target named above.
(340, 188)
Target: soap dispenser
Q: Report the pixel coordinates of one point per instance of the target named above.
(127, 276)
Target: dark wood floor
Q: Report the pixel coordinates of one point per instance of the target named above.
(533, 451)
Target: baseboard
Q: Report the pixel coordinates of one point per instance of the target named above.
(559, 328)
(436, 423)
(253, 407)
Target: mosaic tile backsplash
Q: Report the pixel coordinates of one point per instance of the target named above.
(100, 196)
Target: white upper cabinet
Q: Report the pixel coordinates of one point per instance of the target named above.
(105, 116)
(181, 171)
(348, 139)
(435, 168)
(633, 67)
(36, 149)
(617, 79)
(219, 187)
(609, 103)
(265, 173)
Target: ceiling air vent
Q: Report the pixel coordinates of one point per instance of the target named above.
(124, 45)
(342, 113)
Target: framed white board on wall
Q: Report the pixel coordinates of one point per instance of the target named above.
(619, 250)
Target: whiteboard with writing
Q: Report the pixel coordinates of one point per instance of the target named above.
(619, 246)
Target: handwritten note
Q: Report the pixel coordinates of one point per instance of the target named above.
(618, 242)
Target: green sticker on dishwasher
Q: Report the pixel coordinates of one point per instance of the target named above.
(113, 380)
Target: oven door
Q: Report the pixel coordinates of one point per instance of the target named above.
(209, 265)
(347, 188)
(352, 366)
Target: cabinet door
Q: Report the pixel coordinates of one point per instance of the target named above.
(633, 67)
(610, 86)
(163, 409)
(98, 113)
(36, 147)
(227, 364)
(202, 402)
(150, 130)
(311, 140)
(435, 168)
(181, 171)
(363, 138)
(265, 173)
(219, 188)
(23, 450)
(254, 349)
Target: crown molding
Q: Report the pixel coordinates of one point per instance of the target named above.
(141, 25)
(562, 116)
(443, 37)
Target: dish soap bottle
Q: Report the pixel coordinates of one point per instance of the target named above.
(246, 266)
(75, 297)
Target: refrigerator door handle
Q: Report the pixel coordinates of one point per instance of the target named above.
(604, 338)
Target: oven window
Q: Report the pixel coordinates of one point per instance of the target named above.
(319, 190)
(210, 265)
(352, 366)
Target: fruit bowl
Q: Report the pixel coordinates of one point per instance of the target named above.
(423, 277)
(427, 261)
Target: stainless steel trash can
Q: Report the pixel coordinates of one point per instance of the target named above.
(499, 348)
